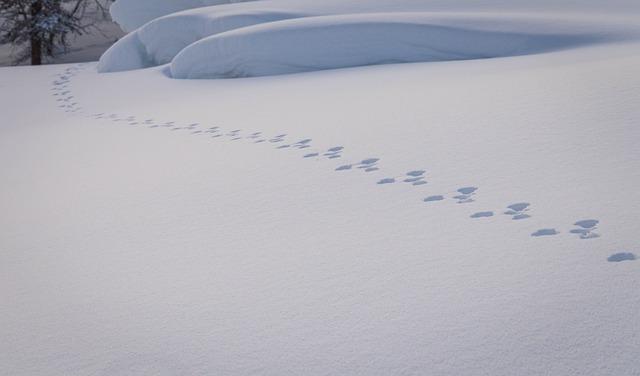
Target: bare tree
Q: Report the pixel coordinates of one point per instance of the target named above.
(41, 28)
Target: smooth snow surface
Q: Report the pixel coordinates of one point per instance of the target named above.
(131, 14)
(255, 38)
(161, 40)
(317, 43)
(448, 218)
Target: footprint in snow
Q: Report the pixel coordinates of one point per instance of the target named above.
(545, 232)
(331, 153)
(465, 195)
(586, 228)
(278, 138)
(302, 144)
(482, 214)
(415, 177)
(518, 211)
(621, 256)
(386, 181)
(366, 165)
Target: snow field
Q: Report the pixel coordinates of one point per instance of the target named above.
(467, 217)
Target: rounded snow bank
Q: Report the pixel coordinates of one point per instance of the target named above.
(131, 14)
(160, 40)
(128, 52)
(328, 42)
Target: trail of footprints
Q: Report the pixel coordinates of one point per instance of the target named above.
(581, 229)
(61, 89)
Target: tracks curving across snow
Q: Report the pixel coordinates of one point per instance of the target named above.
(306, 150)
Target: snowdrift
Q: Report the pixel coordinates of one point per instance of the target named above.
(159, 41)
(131, 14)
(256, 38)
(328, 42)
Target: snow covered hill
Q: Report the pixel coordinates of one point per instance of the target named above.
(455, 217)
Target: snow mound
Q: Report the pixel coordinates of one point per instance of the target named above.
(329, 42)
(128, 53)
(160, 40)
(131, 14)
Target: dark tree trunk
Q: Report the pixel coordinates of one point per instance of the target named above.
(36, 51)
(36, 40)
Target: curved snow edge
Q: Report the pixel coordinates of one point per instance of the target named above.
(330, 42)
(131, 14)
(159, 41)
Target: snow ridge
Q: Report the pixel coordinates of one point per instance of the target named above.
(270, 37)
(131, 14)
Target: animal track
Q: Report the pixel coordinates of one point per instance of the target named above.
(545, 232)
(621, 256)
(518, 211)
(331, 153)
(61, 89)
(334, 152)
(367, 165)
(386, 181)
(586, 229)
(302, 144)
(465, 195)
(414, 177)
(482, 214)
(278, 138)
(62, 92)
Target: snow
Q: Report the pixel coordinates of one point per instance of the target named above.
(153, 226)
(331, 42)
(219, 41)
(87, 47)
(159, 41)
(131, 14)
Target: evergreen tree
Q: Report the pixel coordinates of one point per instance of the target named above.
(41, 28)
